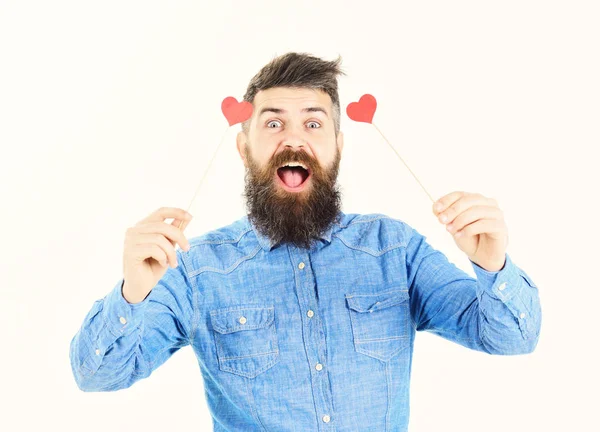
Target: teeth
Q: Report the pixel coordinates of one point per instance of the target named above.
(293, 164)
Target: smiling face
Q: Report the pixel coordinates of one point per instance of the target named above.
(288, 120)
(291, 155)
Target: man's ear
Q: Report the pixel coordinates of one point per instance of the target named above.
(241, 140)
(340, 141)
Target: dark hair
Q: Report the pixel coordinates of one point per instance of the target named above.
(299, 70)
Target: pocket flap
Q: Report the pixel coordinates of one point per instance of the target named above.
(373, 302)
(234, 319)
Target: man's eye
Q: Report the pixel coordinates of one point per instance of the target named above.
(271, 122)
(315, 123)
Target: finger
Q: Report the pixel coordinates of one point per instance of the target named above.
(471, 215)
(165, 213)
(446, 201)
(152, 250)
(184, 224)
(160, 241)
(461, 205)
(171, 232)
(483, 226)
(177, 222)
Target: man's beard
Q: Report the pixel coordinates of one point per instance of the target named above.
(294, 217)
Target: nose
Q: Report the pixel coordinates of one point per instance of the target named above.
(294, 145)
(293, 138)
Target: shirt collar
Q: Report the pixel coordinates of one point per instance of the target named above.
(267, 244)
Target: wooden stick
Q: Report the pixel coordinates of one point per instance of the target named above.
(205, 172)
(386, 140)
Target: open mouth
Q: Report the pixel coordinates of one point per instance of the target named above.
(293, 176)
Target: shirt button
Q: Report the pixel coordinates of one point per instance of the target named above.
(502, 286)
(97, 352)
(123, 320)
(326, 418)
(242, 320)
(301, 265)
(310, 313)
(319, 366)
(522, 315)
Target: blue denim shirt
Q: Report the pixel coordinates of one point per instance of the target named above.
(317, 339)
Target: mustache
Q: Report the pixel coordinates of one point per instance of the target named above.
(290, 155)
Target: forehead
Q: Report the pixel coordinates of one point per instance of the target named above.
(291, 98)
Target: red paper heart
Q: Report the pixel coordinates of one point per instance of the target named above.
(234, 111)
(363, 110)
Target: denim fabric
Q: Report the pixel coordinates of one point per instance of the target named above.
(292, 339)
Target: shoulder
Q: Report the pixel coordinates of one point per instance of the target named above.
(226, 235)
(373, 233)
(221, 248)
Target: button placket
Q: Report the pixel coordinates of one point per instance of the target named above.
(314, 334)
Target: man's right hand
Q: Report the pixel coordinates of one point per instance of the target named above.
(149, 248)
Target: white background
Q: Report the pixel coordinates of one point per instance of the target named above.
(110, 110)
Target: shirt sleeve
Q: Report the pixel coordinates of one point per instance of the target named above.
(499, 312)
(120, 343)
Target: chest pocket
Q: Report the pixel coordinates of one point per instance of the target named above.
(246, 339)
(380, 323)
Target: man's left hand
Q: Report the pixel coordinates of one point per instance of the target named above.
(477, 226)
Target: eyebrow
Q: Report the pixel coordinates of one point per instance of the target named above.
(281, 111)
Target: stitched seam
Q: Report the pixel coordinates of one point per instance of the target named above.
(226, 330)
(223, 241)
(236, 308)
(371, 251)
(252, 403)
(196, 316)
(190, 330)
(228, 270)
(363, 340)
(380, 293)
(243, 233)
(354, 221)
(367, 250)
(109, 326)
(250, 355)
(389, 395)
(89, 355)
